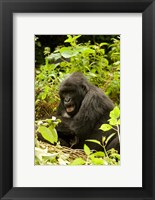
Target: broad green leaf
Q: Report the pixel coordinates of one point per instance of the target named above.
(89, 51)
(78, 161)
(81, 48)
(46, 133)
(118, 122)
(115, 113)
(54, 56)
(113, 121)
(97, 161)
(105, 127)
(68, 52)
(54, 133)
(87, 150)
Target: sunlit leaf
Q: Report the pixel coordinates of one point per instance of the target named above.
(87, 150)
(71, 39)
(46, 133)
(68, 52)
(105, 127)
(54, 56)
(97, 161)
(78, 161)
(113, 121)
(115, 113)
(54, 133)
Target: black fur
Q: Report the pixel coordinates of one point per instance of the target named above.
(91, 110)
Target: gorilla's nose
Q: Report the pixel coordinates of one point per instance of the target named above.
(67, 100)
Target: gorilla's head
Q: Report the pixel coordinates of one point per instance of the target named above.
(72, 92)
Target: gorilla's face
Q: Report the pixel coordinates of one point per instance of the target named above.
(71, 96)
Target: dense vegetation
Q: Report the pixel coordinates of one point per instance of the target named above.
(100, 63)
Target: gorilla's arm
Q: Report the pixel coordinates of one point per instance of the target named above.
(63, 127)
(66, 136)
(93, 112)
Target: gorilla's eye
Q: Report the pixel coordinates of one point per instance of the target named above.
(63, 94)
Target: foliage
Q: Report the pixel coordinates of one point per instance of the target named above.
(98, 158)
(100, 63)
(114, 123)
(46, 154)
(47, 129)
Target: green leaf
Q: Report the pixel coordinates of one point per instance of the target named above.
(98, 154)
(88, 51)
(103, 139)
(46, 133)
(87, 150)
(97, 161)
(54, 133)
(39, 153)
(115, 113)
(103, 44)
(68, 52)
(105, 127)
(43, 96)
(113, 121)
(54, 56)
(107, 140)
(78, 161)
(71, 39)
(81, 48)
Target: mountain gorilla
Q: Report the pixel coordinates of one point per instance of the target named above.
(83, 109)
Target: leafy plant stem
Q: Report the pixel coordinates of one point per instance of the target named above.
(105, 151)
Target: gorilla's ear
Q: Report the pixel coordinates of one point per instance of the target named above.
(85, 87)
